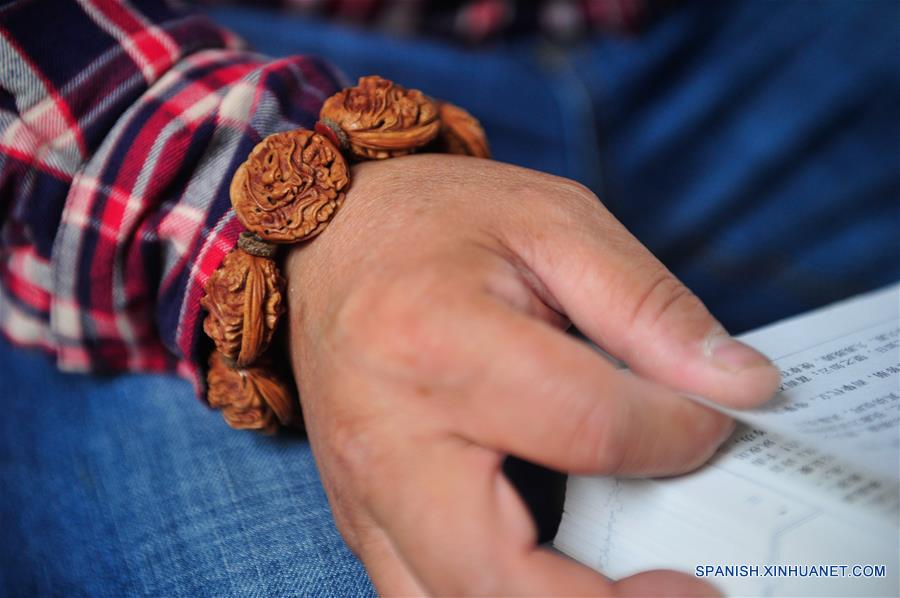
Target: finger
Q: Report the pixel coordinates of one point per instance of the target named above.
(615, 291)
(554, 401)
(483, 541)
(664, 584)
(463, 530)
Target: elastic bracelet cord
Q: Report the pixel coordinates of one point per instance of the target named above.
(286, 192)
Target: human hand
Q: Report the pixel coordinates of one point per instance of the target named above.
(427, 342)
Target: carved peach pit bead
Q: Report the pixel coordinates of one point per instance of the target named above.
(382, 120)
(253, 398)
(244, 298)
(290, 186)
(461, 133)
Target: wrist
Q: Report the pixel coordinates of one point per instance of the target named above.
(289, 191)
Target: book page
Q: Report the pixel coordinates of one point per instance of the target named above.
(807, 474)
(840, 390)
(760, 511)
(758, 524)
(816, 486)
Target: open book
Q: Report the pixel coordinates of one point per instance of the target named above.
(802, 500)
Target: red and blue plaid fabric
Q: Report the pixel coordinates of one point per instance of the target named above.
(120, 127)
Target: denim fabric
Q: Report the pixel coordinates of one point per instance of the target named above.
(129, 486)
(753, 146)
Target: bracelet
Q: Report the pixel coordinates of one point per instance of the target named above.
(287, 191)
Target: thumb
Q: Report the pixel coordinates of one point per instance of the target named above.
(616, 292)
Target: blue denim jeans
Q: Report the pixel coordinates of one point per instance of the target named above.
(753, 147)
(128, 485)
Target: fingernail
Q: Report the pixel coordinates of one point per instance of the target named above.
(732, 355)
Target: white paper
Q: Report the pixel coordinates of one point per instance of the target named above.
(840, 381)
(812, 480)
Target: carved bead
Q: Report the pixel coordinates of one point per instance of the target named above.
(290, 186)
(244, 298)
(253, 398)
(461, 133)
(382, 120)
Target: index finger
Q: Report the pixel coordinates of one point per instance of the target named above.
(625, 299)
(550, 399)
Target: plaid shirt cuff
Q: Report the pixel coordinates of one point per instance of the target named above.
(117, 146)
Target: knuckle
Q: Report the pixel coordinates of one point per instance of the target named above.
(550, 185)
(664, 297)
(554, 195)
(581, 193)
(579, 204)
